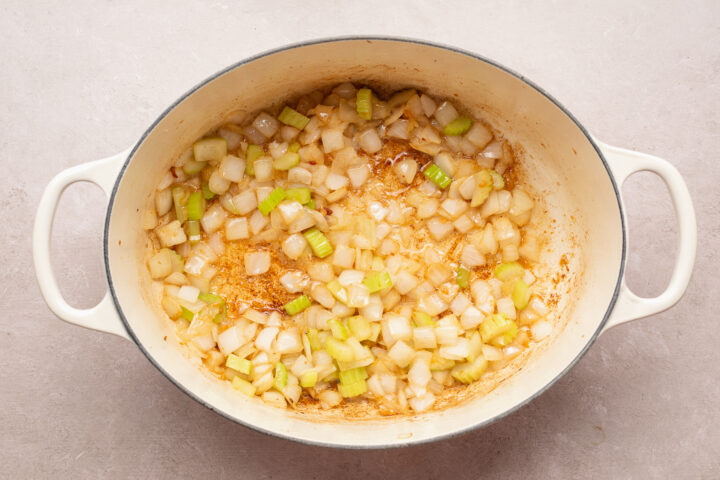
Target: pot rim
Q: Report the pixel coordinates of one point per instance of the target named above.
(333, 39)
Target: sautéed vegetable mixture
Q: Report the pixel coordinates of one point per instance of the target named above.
(348, 247)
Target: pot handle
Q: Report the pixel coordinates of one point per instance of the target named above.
(103, 316)
(624, 163)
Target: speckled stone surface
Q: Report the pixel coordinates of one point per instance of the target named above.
(82, 80)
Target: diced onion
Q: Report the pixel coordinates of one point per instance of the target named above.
(232, 168)
(541, 329)
(369, 141)
(398, 129)
(257, 263)
(266, 124)
(294, 281)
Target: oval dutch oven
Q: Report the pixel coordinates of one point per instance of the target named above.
(576, 172)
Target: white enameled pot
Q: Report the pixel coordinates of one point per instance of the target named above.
(578, 177)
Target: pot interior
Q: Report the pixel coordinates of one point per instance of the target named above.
(580, 215)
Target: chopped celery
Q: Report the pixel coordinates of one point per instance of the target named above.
(353, 375)
(498, 180)
(463, 275)
(458, 126)
(338, 329)
(314, 339)
(286, 161)
(495, 325)
(207, 193)
(439, 363)
(195, 206)
(298, 305)
(194, 234)
(311, 204)
(470, 371)
(211, 149)
(192, 167)
(292, 117)
(253, 153)
(506, 338)
(179, 199)
(217, 300)
(222, 315)
(242, 365)
(301, 194)
(243, 386)
(480, 195)
(521, 295)
(422, 319)
(338, 291)
(293, 147)
(318, 242)
(360, 327)
(437, 176)
(378, 281)
(281, 376)
(352, 389)
(309, 379)
(509, 271)
(210, 298)
(339, 350)
(186, 314)
(363, 103)
(272, 201)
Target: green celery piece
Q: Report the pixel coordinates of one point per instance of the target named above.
(509, 271)
(309, 379)
(281, 376)
(422, 319)
(360, 327)
(437, 176)
(314, 339)
(243, 386)
(318, 242)
(353, 375)
(194, 234)
(297, 305)
(195, 206)
(207, 193)
(301, 194)
(458, 126)
(286, 161)
(211, 149)
(252, 153)
(292, 117)
(242, 365)
(272, 201)
(353, 389)
(180, 196)
(378, 281)
(193, 167)
(521, 295)
(186, 314)
(363, 103)
(338, 329)
(339, 350)
(463, 275)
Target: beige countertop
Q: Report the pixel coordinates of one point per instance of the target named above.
(82, 80)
